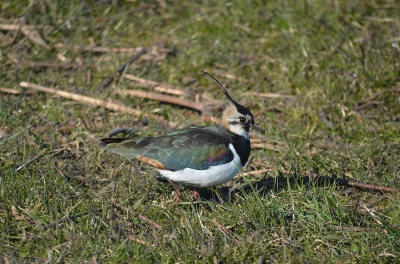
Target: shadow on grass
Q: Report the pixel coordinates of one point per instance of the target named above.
(268, 185)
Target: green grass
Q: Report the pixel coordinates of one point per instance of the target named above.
(340, 61)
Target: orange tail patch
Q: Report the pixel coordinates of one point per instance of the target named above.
(152, 162)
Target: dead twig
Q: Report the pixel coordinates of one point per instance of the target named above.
(121, 69)
(162, 98)
(149, 221)
(156, 86)
(94, 102)
(363, 186)
(10, 91)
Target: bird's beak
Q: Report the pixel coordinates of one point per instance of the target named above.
(258, 129)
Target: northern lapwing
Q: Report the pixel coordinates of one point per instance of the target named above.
(198, 156)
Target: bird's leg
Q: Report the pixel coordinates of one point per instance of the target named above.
(178, 194)
(196, 195)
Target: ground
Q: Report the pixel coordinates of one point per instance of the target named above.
(321, 77)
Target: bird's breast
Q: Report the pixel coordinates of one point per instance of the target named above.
(213, 176)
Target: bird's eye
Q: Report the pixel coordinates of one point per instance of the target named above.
(242, 119)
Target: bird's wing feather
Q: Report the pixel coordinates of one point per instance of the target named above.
(196, 148)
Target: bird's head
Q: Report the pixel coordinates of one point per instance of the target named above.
(236, 118)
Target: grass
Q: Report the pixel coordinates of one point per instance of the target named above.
(338, 60)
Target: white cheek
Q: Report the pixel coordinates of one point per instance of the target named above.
(239, 131)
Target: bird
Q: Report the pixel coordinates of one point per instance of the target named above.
(196, 156)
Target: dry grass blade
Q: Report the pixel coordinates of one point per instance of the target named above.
(269, 146)
(39, 65)
(352, 228)
(271, 95)
(14, 27)
(374, 216)
(97, 49)
(226, 231)
(230, 76)
(33, 35)
(257, 172)
(159, 87)
(29, 31)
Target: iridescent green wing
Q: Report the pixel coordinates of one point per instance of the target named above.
(194, 147)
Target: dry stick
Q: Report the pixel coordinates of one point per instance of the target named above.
(10, 91)
(121, 69)
(97, 49)
(162, 98)
(156, 86)
(360, 185)
(93, 101)
(149, 221)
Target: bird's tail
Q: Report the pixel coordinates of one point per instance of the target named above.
(105, 141)
(123, 146)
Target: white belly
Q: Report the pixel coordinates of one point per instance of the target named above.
(215, 175)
